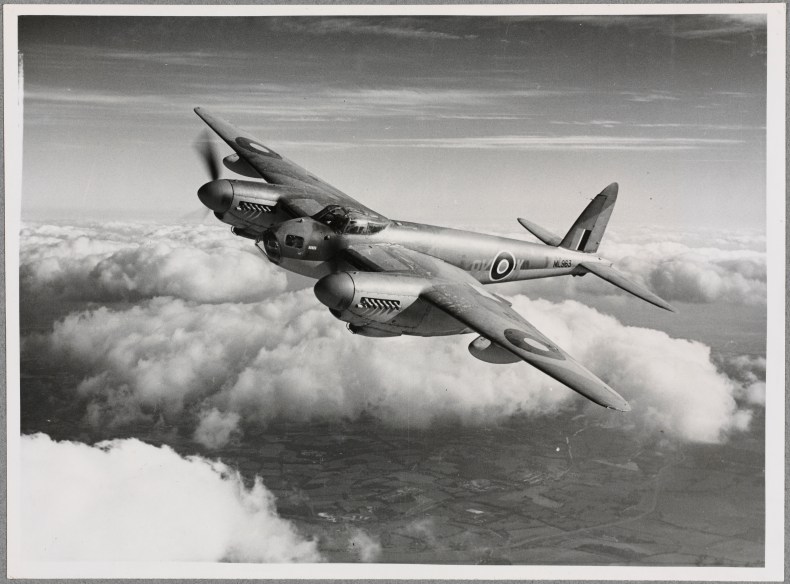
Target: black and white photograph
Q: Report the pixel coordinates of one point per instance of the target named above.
(420, 291)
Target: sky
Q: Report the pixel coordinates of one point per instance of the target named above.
(463, 121)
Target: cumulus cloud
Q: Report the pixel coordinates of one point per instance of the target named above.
(673, 383)
(677, 267)
(679, 272)
(290, 359)
(424, 530)
(192, 349)
(215, 428)
(367, 548)
(126, 500)
(129, 262)
(749, 371)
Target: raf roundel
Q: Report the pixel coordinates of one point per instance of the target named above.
(503, 266)
(532, 344)
(256, 147)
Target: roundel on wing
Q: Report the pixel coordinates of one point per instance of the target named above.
(532, 344)
(503, 266)
(256, 148)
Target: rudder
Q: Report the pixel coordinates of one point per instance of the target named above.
(587, 231)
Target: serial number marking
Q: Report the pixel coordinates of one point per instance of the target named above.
(563, 263)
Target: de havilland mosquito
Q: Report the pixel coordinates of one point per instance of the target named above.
(387, 278)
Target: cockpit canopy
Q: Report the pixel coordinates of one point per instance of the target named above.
(349, 221)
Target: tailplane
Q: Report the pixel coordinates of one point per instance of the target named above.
(586, 233)
(615, 277)
(544, 235)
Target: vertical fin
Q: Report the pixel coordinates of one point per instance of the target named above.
(587, 232)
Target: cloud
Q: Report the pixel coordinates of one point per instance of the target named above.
(423, 530)
(677, 268)
(723, 25)
(749, 371)
(215, 428)
(689, 26)
(124, 500)
(128, 262)
(365, 546)
(274, 102)
(545, 142)
(402, 28)
(206, 358)
(677, 271)
(289, 359)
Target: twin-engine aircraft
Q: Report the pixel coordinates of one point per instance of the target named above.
(388, 278)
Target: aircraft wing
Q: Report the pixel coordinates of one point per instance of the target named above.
(278, 170)
(462, 297)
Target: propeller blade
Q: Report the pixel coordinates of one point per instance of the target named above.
(198, 216)
(208, 153)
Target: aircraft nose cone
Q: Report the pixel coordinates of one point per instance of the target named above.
(335, 291)
(217, 195)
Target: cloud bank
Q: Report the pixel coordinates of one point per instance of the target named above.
(366, 547)
(126, 500)
(289, 359)
(195, 350)
(129, 262)
(679, 269)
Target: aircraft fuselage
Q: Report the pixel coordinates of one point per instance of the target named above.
(490, 259)
(398, 308)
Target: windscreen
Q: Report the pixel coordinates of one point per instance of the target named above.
(348, 221)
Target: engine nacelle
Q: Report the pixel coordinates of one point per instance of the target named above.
(222, 195)
(372, 297)
(372, 331)
(490, 352)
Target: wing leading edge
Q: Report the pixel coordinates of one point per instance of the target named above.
(276, 169)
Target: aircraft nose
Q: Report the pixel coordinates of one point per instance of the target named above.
(217, 195)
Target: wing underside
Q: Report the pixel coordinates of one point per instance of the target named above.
(500, 324)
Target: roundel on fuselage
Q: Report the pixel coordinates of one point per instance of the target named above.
(503, 266)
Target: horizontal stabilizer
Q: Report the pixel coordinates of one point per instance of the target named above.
(544, 235)
(612, 276)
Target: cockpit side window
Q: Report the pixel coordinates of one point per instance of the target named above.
(356, 227)
(375, 227)
(334, 216)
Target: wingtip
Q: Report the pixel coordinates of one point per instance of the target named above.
(623, 407)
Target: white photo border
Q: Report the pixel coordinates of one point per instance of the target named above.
(775, 380)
